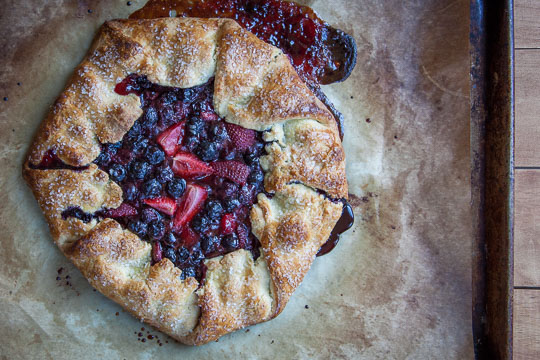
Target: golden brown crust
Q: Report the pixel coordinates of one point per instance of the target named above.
(237, 293)
(308, 152)
(255, 87)
(58, 190)
(292, 226)
(117, 263)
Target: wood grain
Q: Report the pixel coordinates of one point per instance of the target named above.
(526, 20)
(527, 107)
(527, 228)
(526, 324)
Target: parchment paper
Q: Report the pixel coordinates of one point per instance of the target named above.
(399, 283)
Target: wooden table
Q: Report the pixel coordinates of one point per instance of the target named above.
(527, 185)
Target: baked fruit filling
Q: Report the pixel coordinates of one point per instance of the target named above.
(189, 179)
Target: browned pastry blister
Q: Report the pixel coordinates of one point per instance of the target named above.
(255, 87)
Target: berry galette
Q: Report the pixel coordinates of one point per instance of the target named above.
(190, 174)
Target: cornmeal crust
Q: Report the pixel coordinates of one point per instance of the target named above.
(255, 87)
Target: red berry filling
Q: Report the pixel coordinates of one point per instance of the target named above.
(189, 179)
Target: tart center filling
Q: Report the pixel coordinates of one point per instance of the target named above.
(189, 178)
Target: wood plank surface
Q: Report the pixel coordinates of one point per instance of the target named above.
(527, 228)
(527, 107)
(526, 324)
(526, 321)
(527, 23)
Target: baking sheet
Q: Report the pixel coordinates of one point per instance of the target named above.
(399, 283)
(492, 149)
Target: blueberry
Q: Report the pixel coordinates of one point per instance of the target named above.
(246, 194)
(192, 142)
(113, 147)
(230, 204)
(149, 214)
(182, 255)
(209, 243)
(139, 169)
(152, 132)
(213, 209)
(204, 105)
(156, 229)
(218, 132)
(164, 173)
(189, 95)
(251, 158)
(167, 115)
(106, 154)
(139, 145)
(195, 125)
(152, 188)
(256, 176)
(188, 272)
(130, 192)
(117, 172)
(103, 159)
(208, 151)
(170, 254)
(257, 148)
(154, 155)
(138, 227)
(176, 187)
(170, 239)
(200, 223)
(150, 118)
(229, 189)
(197, 255)
(134, 133)
(168, 98)
(230, 242)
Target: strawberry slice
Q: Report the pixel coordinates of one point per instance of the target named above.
(171, 138)
(241, 138)
(189, 237)
(228, 224)
(123, 210)
(190, 204)
(188, 165)
(164, 204)
(232, 170)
